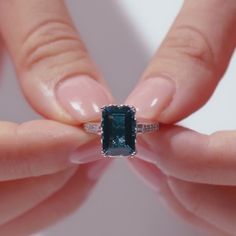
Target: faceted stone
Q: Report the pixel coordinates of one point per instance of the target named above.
(118, 130)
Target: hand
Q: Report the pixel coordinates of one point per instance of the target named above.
(197, 171)
(37, 176)
(60, 82)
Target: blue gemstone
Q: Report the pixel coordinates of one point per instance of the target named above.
(118, 130)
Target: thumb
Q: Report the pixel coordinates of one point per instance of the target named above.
(56, 73)
(190, 62)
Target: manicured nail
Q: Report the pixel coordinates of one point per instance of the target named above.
(87, 153)
(97, 169)
(149, 173)
(145, 153)
(152, 96)
(83, 97)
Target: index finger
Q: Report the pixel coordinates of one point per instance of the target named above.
(187, 67)
(55, 71)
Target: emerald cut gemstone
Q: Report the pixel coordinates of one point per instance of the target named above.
(118, 130)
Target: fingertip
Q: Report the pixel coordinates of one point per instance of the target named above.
(152, 96)
(82, 97)
(86, 153)
(56, 72)
(149, 173)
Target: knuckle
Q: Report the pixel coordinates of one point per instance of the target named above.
(48, 43)
(188, 43)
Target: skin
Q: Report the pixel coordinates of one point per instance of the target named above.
(197, 180)
(36, 172)
(40, 36)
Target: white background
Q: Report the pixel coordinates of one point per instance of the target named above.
(122, 36)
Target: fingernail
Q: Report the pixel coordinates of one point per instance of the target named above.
(87, 153)
(82, 97)
(145, 153)
(97, 169)
(149, 173)
(152, 96)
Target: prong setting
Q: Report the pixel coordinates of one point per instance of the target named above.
(118, 130)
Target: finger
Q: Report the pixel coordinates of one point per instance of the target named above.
(190, 62)
(191, 156)
(19, 196)
(216, 204)
(56, 73)
(73, 195)
(40, 147)
(1, 54)
(153, 177)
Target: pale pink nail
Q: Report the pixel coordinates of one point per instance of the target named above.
(152, 96)
(87, 153)
(149, 173)
(83, 97)
(97, 169)
(145, 153)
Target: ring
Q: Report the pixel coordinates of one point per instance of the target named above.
(118, 129)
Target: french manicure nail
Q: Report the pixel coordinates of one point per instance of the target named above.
(152, 96)
(82, 97)
(87, 153)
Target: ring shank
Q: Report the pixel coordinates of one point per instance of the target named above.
(95, 127)
(147, 127)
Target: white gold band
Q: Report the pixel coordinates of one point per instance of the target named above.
(95, 127)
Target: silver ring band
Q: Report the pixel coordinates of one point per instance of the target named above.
(96, 128)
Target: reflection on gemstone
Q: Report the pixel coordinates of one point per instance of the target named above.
(118, 130)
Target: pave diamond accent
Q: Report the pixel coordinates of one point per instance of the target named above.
(146, 128)
(92, 128)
